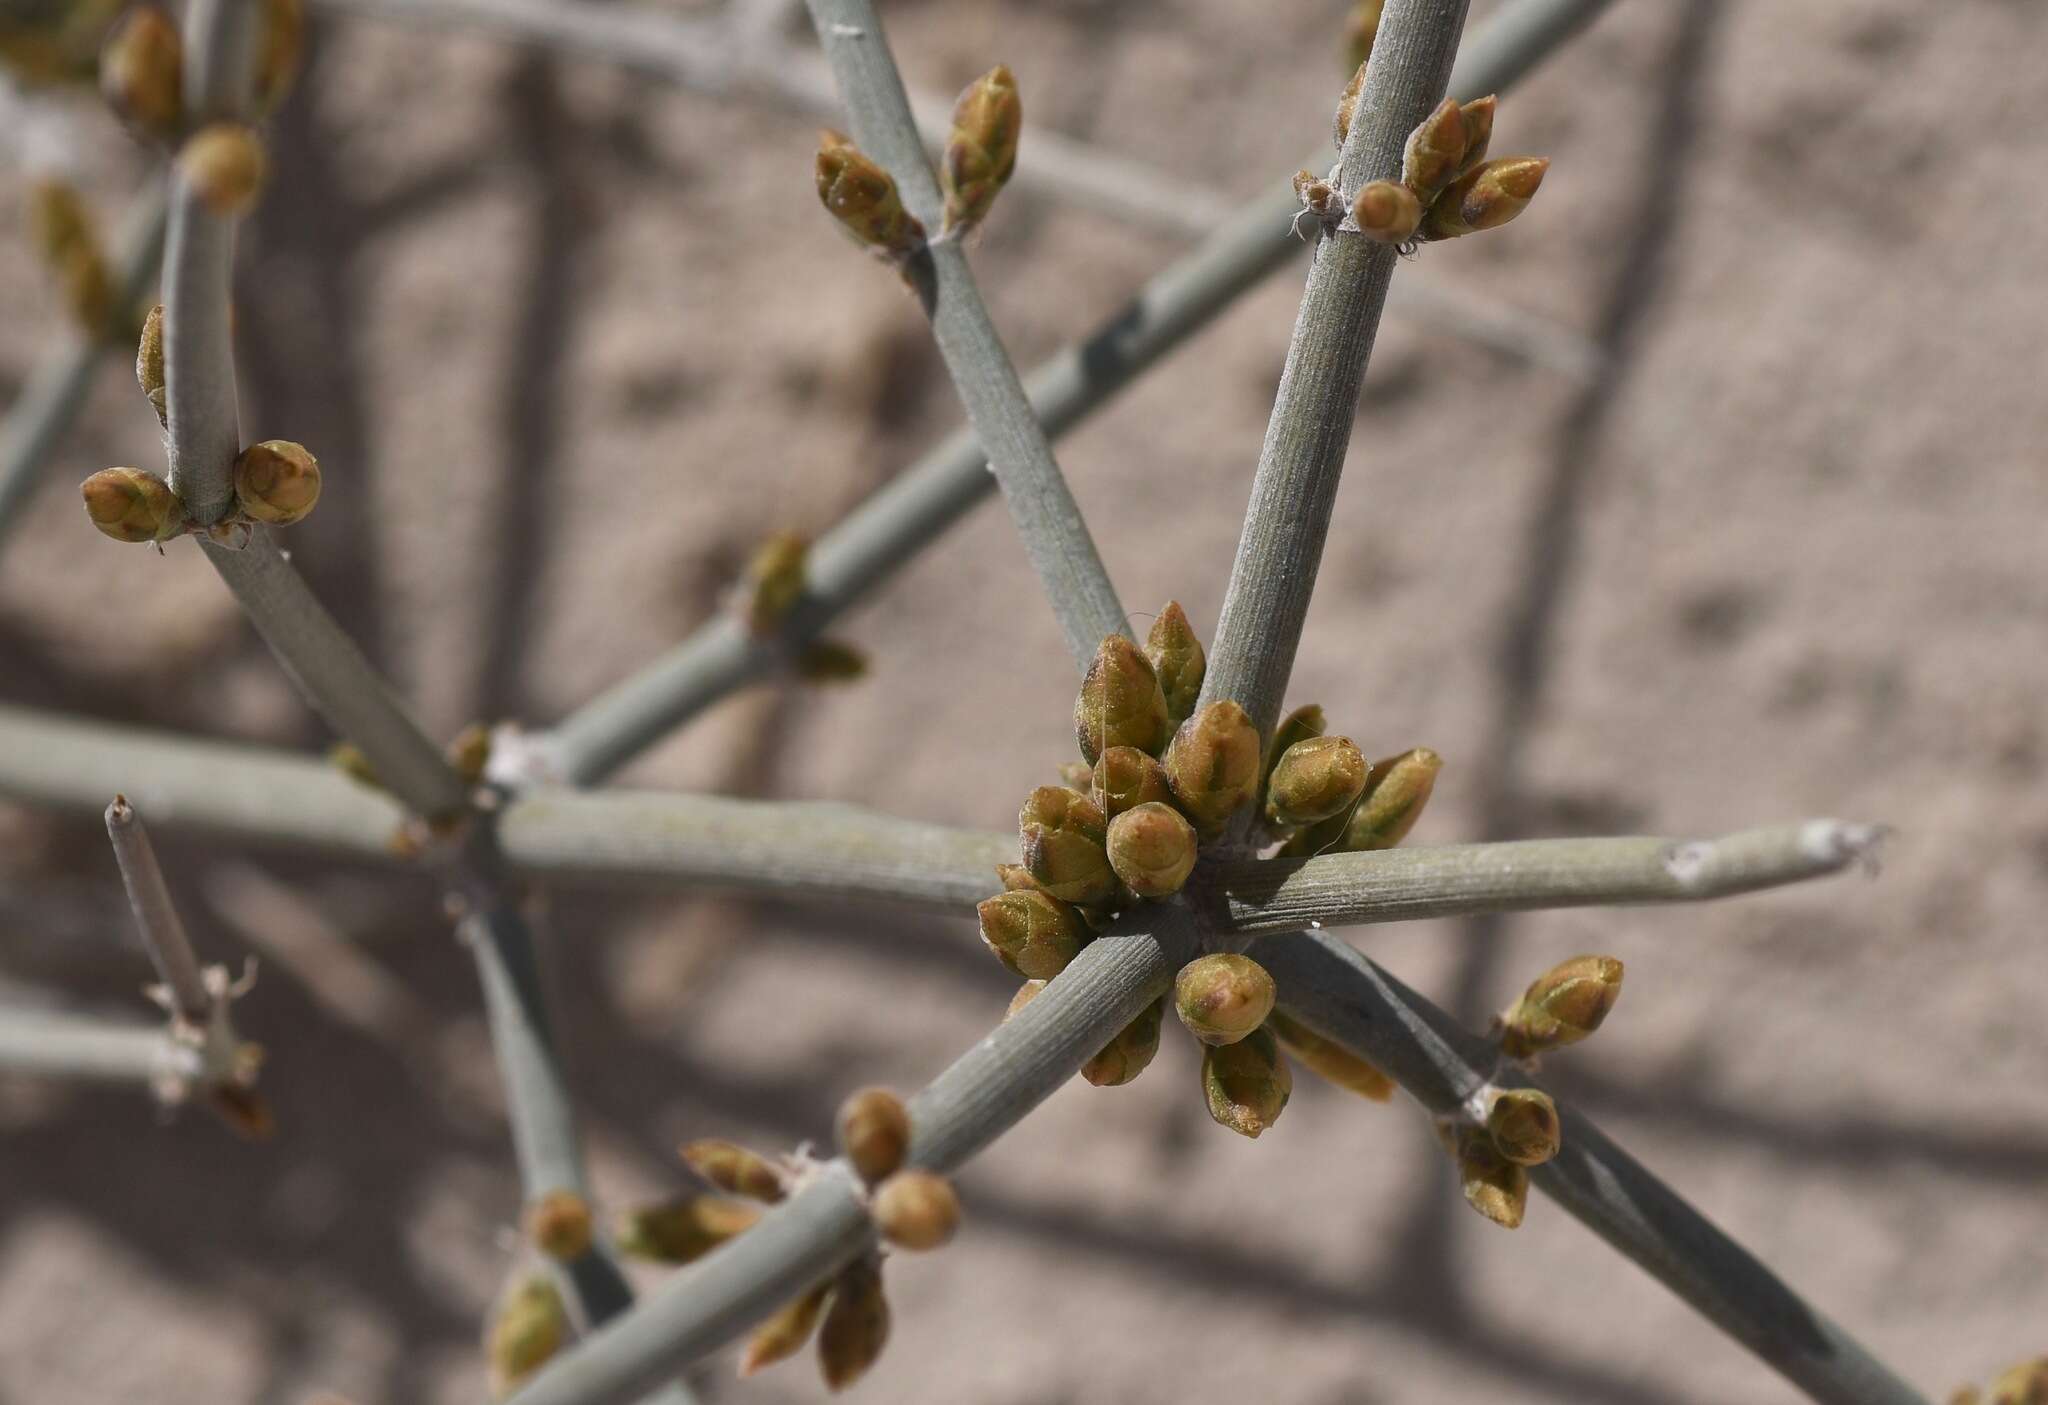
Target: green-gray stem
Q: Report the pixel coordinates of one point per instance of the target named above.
(156, 919)
(48, 1044)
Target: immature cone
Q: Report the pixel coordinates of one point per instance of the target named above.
(1031, 933)
(1152, 849)
(1176, 657)
(784, 1334)
(1314, 780)
(773, 581)
(874, 1132)
(1347, 105)
(1222, 997)
(1435, 152)
(133, 505)
(142, 72)
(856, 1326)
(224, 165)
(530, 1326)
(1124, 778)
(1562, 1006)
(1330, 1059)
(1485, 198)
(558, 1224)
(1387, 211)
(862, 197)
(1120, 703)
(149, 363)
(1247, 1084)
(1064, 833)
(1361, 29)
(1494, 1186)
(282, 47)
(277, 482)
(1212, 763)
(1524, 1127)
(1126, 1056)
(733, 1168)
(683, 1230)
(2024, 1384)
(1394, 795)
(982, 150)
(1026, 993)
(1478, 118)
(916, 1210)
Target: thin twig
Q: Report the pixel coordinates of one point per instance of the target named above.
(51, 1045)
(156, 920)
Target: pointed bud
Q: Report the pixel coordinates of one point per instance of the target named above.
(874, 1132)
(1026, 993)
(1017, 879)
(1347, 106)
(773, 582)
(734, 1168)
(1316, 780)
(1176, 657)
(1152, 849)
(1394, 796)
(1120, 703)
(1247, 1084)
(133, 505)
(1435, 151)
(1494, 1186)
(1128, 1055)
(982, 151)
(1524, 1127)
(1031, 933)
(282, 47)
(224, 166)
(142, 72)
(784, 1334)
(1387, 212)
(830, 661)
(277, 482)
(856, 1326)
(1213, 765)
(1361, 29)
(530, 1326)
(1222, 997)
(558, 1224)
(862, 197)
(2024, 1384)
(1478, 118)
(149, 363)
(1064, 834)
(1125, 778)
(683, 1230)
(1485, 198)
(1297, 726)
(1562, 1006)
(916, 1210)
(1330, 1059)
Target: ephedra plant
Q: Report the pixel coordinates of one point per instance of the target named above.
(1203, 846)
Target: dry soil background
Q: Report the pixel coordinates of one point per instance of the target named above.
(566, 342)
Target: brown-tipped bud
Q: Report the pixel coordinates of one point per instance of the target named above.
(133, 505)
(863, 198)
(1124, 778)
(1330, 1059)
(916, 1210)
(683, 1230)
(246, 1112)
(1347, 106)
(1222, 997)
(856, 1326)
(874, 1132)
(142, 72)
(1033, 934)
(1315, 780)
(1213, 764)
(784, 1334)
(1064, 834)
(982, 151)
(773, 581)
(1360, 30)
(2024, 1384)
(1317, 195)
(1394, 796)
(1387, 211)
(734, 1168)
(1524, 1127)
(1152, 849)
(831, 661)
(1017, 879)
(282, 48)
(1120, 703)
(1478, 118)
(1026, 993)
(1435, 151)
(1177, 658)
(558, 1224)
(1247, 1084)
(1494, 1186)
(1128, 1055)
(224, 166)
(530, 1326)
(149, 363)
(1562, 1006)
(277, 482)
(1485, 198)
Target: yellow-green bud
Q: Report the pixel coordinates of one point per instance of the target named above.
(830, 661)
(1387, 211)
(1177, 659)
(277, 482)
(149, 363)
(982, 151)
(142, 72)
(683, 1230)
(1314, 780)
(1435, 152)
(529, 1326)
(734, 1168)
(2024, 1384)
(1330, 1059)
(1478, 118)
(1152, 849)
(1031, 933)
(1212, 763)
(1562, 1006)
(558, 1224)
(863, 198)
(1223, 997)
(1394, 795)
(1026, 993)
(133, 505)
(1124, 778)
(1347, 105)
(1485, 198)
(1120, 703)
(224, 166)
(773, 581)
(784, 1334)
(1494, 1186)
(856, 1326)
(277, 60)
(1361, 29)
(1524, 1127)
(1064, 834)
(874, 1132)
(916, 1210)
(1247, 1084)
(1128, 1055)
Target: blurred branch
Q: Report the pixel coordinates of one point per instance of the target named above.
(51, 1045)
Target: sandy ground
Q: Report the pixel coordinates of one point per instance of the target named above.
(567, 342)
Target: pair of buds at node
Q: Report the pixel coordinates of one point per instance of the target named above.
(142, 66)
(1323, 795)
(770, 589)
(276, 482)
(1521, 1130)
